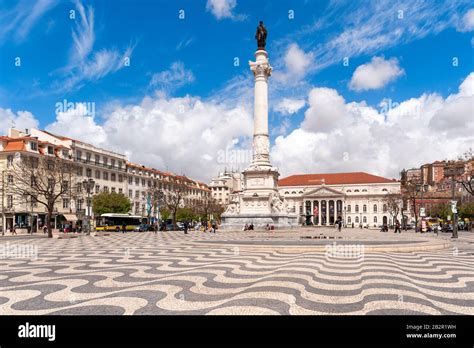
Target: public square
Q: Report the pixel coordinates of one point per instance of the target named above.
(252, 272)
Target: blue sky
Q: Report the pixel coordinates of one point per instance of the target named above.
(182, 78)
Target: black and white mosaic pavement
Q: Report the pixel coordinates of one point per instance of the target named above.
(170, 273)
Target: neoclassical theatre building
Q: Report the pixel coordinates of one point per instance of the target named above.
(358, 198)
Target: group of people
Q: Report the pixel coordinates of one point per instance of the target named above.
(248, 227)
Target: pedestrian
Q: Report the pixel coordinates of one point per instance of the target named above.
(45, 229)
(124, 228)
(155, 228)
(214, 227)
(185, 226)
(397, 227)
(13, 230)
(339, 224)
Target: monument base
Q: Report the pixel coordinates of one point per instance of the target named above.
(259, 221)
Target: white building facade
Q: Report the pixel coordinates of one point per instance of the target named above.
(357, 198)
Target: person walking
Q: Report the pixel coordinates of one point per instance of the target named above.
(214, 226)
(397, 227)
(185, 225)
(124, 228)
(13, 230)
(339, 224)
(155, 228)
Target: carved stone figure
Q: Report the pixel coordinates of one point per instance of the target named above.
(234, 205)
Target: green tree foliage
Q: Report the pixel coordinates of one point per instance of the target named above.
(165, 214)
(466, 210)
(185, 214)
(112, 202)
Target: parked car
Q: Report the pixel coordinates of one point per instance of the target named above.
(447, 228)
(143, 228)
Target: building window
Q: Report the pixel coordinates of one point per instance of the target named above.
(120, 178)
(120, 191)
(105, 160)
(364, 190)
(88, 172)
(357, 219)
(137, 194)
(364, 208)
(112, 162)
(112, 177)
(97, 174)
(10, 201)
(88, 157)
(349, 191)
(130, 193)
(97, 188)
(137, 181)
(10, 179)
(384, 208)
(78, 155)
(120, 165)
(78, 187)
(79, 204)
(130, 180)
(349, 220)
(375, 219)
(364, 219)
(384, 190)
(113, 189)
(375, 208)
(143, 182)
(50, 150)
(106, 189)
(97, 159)
(33, 146)
(356, 190)
(79, 171)
(9, 160)
(357, 209)
(105, 176)
(348, 208)
(65, 203)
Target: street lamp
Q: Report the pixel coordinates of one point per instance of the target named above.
(421, 188)
(453, 170)
(88, 185)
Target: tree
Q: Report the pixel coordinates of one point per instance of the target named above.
(410, 193)
(207, 206)
(165, 213)
(185, 214)
(467, 178)
(155, 198)
(112, 202)
(394, 205)
(43, 180)
(174, 198)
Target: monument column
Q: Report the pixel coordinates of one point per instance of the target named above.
(261, 144)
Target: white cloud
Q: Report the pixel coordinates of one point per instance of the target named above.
(77, 123)
(376, 74)
(21, 120)
(467, 22)
(223, 9)
(289, 106)
(185, 135)
(19, 21)
(339, 136)
(297, 64)
(84, 64)
(177, 76)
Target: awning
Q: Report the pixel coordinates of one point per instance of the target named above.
(70, 217)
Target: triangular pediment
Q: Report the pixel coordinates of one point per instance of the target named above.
(323, 191)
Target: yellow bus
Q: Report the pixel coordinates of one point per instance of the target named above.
(110, 222)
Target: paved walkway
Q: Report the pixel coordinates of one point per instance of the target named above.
(204, 273)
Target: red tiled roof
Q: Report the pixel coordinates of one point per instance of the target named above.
(333, 179)
(15, 146)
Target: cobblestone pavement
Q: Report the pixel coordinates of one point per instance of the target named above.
(204, 273)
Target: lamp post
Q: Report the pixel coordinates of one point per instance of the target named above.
(88, 184)
(452, 170)
(421, 188)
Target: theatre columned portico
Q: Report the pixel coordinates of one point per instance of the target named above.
(323, 206)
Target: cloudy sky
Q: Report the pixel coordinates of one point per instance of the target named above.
(372, 86)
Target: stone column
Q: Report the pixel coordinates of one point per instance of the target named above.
(319, 213)
(261, 144)
(312, 211)
(327, 212)
(335, 210)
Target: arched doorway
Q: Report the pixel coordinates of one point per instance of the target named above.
(385, 220)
